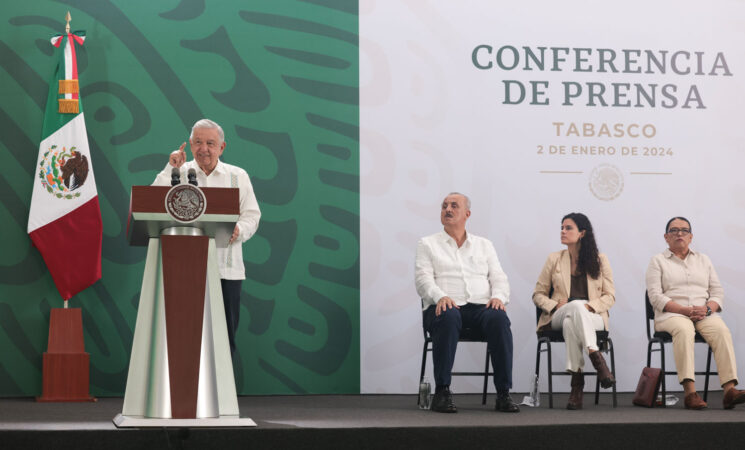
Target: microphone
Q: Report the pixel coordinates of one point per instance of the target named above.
(192, 175)
(175, 176)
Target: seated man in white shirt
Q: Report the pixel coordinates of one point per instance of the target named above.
(686, 295)
(462, 285)
(207, 142)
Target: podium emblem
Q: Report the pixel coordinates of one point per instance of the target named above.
(185, 203)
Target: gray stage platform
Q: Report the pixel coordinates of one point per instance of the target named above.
(383, 421)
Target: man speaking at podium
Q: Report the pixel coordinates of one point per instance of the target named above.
(207, 143)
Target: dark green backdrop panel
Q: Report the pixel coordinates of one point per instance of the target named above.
(282, 79)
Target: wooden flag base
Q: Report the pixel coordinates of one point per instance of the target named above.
(66, 365)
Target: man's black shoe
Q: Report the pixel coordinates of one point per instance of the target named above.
(505, 404)
(443, 402)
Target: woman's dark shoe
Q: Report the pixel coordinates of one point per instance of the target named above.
(733, 397)
(578, 385)
(693, 401)
(598, 362)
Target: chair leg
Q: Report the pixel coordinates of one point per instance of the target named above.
(424, 365)
(649, 364)
(597, 386)
(708, 372)
(486, 378)
(613, 369)
(662, 374)
(550, 376)
(649, 354)
(538, 361)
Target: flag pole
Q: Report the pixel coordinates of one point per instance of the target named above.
(68, 18)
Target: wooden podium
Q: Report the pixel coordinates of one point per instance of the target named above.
(180, 369)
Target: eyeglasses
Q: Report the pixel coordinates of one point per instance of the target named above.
(683, 231)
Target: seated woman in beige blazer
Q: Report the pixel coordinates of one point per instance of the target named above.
(583, 292)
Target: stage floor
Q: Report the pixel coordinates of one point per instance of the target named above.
(374, 411)
(383, 421)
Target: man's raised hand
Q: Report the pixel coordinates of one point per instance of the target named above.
(178, 157)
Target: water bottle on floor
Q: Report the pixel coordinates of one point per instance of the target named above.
(425, 389)
(670, 400)
(534, 396)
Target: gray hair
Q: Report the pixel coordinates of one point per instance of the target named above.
(468, 200)
(207, 123)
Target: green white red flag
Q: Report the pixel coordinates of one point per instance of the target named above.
(64, 222)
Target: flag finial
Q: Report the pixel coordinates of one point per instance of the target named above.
(68, 19)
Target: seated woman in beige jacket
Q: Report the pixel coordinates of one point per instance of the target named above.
(583, 292)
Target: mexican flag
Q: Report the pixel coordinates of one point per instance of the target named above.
(65, 219)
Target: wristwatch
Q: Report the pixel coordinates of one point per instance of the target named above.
(708, 311)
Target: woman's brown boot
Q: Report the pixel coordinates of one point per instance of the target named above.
(604, 375)
(578, 385)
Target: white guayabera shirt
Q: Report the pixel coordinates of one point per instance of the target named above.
(229, 256)
(469, 274)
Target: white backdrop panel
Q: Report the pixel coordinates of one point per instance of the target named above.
(432, 122)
